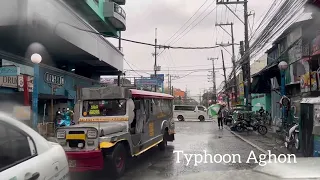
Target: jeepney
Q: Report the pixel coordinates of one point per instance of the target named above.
(115, 123)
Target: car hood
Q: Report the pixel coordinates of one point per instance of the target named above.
(304, 169)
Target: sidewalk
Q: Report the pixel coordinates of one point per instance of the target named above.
(263, 143)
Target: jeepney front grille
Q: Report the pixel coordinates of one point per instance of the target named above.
(75, 142)
(76, 132)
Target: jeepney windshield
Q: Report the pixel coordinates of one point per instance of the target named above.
(111, 107)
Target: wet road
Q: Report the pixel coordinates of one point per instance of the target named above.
(192, 138)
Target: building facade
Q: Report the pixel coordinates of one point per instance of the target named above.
(70, 37)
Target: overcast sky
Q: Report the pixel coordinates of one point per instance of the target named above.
(143, 16)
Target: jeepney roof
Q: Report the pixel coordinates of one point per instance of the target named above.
(110, 92)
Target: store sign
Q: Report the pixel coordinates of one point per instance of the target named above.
(241, 89)
(9, 71)
(9, 81)
(53, 79)
(305, 82)
(21, 83)
(22, 68)
(315, 46)
(22, 113)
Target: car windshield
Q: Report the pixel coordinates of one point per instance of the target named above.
(104, 108)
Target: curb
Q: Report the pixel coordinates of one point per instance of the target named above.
(249, 142)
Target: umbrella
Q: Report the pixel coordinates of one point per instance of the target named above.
(213, 109)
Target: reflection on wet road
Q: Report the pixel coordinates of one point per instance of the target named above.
(191, 138)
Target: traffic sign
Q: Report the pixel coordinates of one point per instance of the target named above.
(160, 77)
(149, 81)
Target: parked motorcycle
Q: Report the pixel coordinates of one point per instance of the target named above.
(292, 137)
(251, 125)
(228, 120)
(63, 122)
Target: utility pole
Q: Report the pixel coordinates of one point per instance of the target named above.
(155, 58)
(214, 89)
(233, 58)
(225, 79)
(246, 57)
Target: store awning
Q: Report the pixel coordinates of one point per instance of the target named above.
(261, 82)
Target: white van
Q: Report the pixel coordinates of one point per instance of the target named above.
(183, 112)
(26, 155)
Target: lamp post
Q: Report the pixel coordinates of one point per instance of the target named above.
(283, 66)
(36, 59)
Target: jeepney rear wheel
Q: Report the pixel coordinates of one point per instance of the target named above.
(164, 143)
(118, 160)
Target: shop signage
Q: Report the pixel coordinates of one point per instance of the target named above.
(140, 82)
(54, 79)
(9, 71)
(22, 113)
(305, 82)
(9, 81)
(23, 68)
(315, 46)
(241, 89)
(21, 83)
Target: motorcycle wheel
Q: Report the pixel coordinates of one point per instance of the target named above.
(263, 130)
(296, 141)
(239, 128)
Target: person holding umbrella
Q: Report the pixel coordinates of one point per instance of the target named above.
(221, 115)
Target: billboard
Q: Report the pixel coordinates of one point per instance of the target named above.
(140, 82)
(160, 77)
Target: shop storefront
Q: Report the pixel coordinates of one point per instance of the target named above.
(55, 86)
(261, 100)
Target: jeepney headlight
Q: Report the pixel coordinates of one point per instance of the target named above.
(61, 134)
(92, 134)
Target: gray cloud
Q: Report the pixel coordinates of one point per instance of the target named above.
(143, 16)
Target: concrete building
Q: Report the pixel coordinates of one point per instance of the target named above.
(70, 37)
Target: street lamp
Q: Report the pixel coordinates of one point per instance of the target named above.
(283, 66)
(36, 59)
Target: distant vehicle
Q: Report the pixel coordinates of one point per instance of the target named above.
(183, 112)
(26, 155)
(116, 123)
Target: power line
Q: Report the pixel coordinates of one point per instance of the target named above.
(187, 21)
(195, 25)
(138, 42)
(185, 69)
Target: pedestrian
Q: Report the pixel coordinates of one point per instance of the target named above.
(220, 116)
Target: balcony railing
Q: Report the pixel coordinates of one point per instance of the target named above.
(118, 9)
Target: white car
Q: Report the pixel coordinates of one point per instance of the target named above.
(26, 155)
(183, 112)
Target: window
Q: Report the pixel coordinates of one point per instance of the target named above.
(200, 108)
(184, 108)
(114, 107)
(14, 147)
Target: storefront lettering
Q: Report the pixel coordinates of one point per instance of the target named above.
(315, 45)
(9, 81)
(54, 79)
(9, 71)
